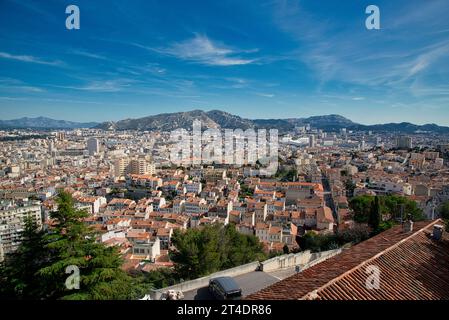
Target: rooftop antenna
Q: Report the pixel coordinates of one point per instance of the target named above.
(402, 213)
(433, 210)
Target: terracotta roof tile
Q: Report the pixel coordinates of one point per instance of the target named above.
(412, 267)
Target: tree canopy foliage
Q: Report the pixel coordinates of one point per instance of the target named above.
(323, 242)
(37, 270)
(286, 174)
(18, 273)
(375, 215)
(200, 252)
(443, 211)
(391, 206)
(246, 191)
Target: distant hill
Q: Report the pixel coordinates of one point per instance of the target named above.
(43, 123)
(327, 122)
(403, 127)
(221, 119)
(227, 120)
(172, 121)
(162, 122)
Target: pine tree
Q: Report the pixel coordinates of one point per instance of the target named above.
(37, 270)
(72, 243)
(18, 273)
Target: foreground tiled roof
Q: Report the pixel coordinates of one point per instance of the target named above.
(412, 266)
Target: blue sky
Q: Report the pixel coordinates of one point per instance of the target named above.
(257, 59)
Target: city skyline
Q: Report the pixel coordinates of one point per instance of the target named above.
(276, 59)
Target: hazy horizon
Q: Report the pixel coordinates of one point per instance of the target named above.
(206, 110)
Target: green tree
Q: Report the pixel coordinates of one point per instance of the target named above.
(350, 187)
(73, 243)
(161, 278)
(37, 270)
(18, 273)
(200, 252)
(317, 242)
(246, 191)
(390, 205)
(284, 174)
(323, 242)
(443, 210)
(397, 206)
(375, 216)
(361, 206)
(291, 175)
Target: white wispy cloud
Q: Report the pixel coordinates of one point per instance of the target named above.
(70, 101)
(56, 100)
(18, 85)
(201, 49)
(88, 54)
(114, 85)
(265, 95)
(30, 59)
(235, 83)
(149, 68)
(13, 98)
(391, 58)
(429, 57)
(51, 100)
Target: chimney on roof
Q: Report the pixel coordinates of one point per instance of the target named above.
(407, 226)
(437, 232)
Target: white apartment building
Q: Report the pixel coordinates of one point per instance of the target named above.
(141, 165)
(93, 204)
(275, 234)
(262, 231)
(144, 245)
(136, 166)
(93, 146)
(178, 206)
(196, 206)
(147, 181)
(248, 218)
(298, 190)
(261, 212)
(121, 166)
(193, 187)
(396, 186)
(12, 223)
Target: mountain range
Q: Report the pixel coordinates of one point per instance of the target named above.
(43, 123)
(221, 119)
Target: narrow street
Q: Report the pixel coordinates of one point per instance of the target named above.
(249, 283)
(328, 197)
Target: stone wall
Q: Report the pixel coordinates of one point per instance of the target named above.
(302, 259)
(204, 281)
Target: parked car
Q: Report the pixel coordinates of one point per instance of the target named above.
(225, 288)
